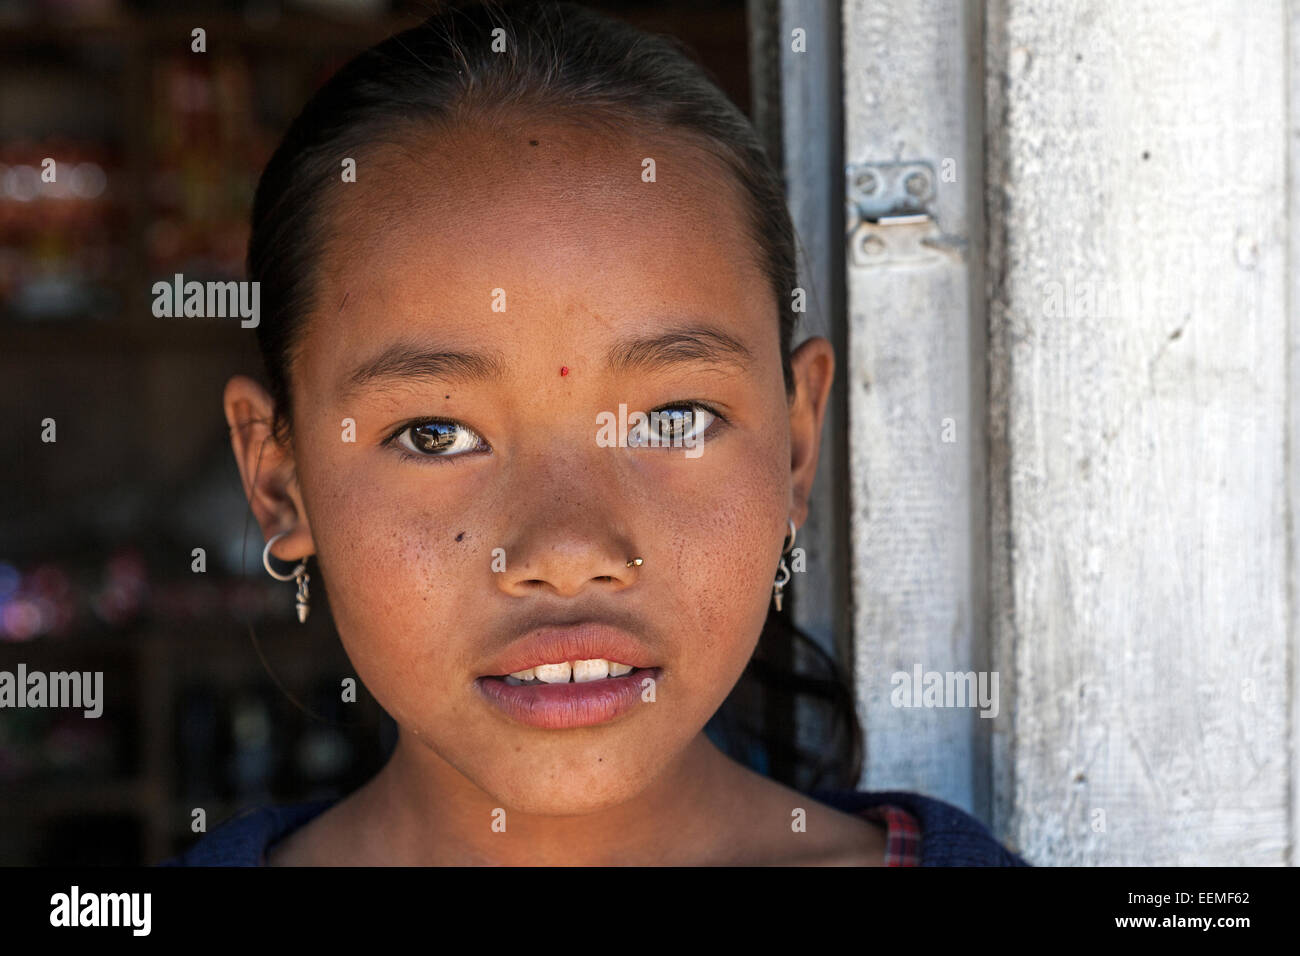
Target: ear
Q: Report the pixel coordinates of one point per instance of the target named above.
(813, 364)
(267, 469)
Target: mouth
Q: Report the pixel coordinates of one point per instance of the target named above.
(557, 653)
(566, 672)
(564, 675)
(570, 694)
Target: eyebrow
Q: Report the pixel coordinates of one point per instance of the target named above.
(682, 345)
(403, 361)
(698, 344)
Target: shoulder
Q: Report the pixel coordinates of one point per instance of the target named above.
(949, 836)
(243, 839)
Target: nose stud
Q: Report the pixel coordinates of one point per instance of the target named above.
(636, 561)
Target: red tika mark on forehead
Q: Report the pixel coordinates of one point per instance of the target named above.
(564, 370)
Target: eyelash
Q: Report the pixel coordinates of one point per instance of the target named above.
(394, 439)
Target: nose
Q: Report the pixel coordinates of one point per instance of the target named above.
(568, 533)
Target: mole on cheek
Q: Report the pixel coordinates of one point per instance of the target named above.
(460, 536)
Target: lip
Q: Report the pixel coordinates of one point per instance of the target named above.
(583, 641)
(568, 705)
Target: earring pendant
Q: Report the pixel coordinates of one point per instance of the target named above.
(299, 573)
(304, 604)
(783, 570)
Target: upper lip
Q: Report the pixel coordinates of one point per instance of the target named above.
(580, 640)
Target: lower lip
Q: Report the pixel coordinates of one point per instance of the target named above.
(561, 706)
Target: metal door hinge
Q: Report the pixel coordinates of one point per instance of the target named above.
(888, 215)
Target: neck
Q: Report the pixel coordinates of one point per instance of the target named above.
(422, 811)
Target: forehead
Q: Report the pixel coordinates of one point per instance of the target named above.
(568, 228)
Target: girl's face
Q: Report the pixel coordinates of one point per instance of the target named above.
(564, 286)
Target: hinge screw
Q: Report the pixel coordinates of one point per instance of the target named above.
(873, 246)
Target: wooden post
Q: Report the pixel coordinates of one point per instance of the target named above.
(915, 377)
(1138, 195)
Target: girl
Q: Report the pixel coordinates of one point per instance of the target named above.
(534, 411)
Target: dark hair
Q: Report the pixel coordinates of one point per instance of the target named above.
(567, 61)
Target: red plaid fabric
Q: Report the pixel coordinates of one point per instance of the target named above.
(902, 834)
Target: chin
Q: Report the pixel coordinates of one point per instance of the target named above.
(563, 791)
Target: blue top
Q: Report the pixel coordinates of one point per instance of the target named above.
(949, 835)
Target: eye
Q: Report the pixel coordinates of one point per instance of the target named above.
(673, 426)
(438, 438)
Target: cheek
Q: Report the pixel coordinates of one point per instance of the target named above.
(397, 581)
(725, 552)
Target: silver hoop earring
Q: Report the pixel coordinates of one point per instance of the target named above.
(783, 572)
(299, 573)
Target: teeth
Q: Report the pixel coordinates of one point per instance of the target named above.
(579, 671)
(584, 671)
(554, 673)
